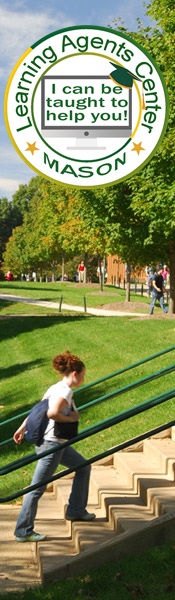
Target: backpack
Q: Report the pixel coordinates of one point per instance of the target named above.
(37, 422)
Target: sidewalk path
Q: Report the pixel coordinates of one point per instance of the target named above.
(100, 312)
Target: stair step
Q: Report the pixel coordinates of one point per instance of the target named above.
(54, 555)
(107, 481)
(164, 452)
(121, 517)
(133, 521)
(62, 493)
(53, 527)
(156, 493)
(54, 511)
(89, 535)
(134, 464)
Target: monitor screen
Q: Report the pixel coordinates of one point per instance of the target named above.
(85, 106)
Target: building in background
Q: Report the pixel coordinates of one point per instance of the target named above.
(117, 271)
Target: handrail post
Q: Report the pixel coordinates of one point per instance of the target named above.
(60, 303)
(85, 305)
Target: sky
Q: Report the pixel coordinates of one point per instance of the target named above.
(23, 22)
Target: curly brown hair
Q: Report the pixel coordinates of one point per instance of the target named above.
(66, 363)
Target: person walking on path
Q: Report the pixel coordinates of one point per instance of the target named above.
(61, 411)
(81, 272)
(158, 290)
(165, 274)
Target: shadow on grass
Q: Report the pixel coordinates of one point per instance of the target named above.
(27, 324)
(5, 304)
(19, 368)
(59, 288)
(91, 394)
(25, 287)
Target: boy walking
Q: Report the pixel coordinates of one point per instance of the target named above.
(158, 290)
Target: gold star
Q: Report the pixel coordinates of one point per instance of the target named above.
(31, 148)
(137, 148)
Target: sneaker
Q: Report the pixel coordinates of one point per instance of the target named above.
(34, 537)
(85, 517)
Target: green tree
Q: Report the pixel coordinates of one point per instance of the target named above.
(42, 246)
(22, 197)
(8, 220)
(41, 232)
(83, 232)
(12, 213)
(109, 211)
(14, 255)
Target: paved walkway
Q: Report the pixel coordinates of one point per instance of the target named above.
(100, 312)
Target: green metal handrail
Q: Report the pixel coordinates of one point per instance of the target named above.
(102, 379)
(119, 391)
(92, 430)
(125, 369)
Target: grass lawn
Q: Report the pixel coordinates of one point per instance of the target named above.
(73, 293)
(16, 308)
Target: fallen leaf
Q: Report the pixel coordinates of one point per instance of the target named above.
(117, 576)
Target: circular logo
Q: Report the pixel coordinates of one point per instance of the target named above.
(86, 106)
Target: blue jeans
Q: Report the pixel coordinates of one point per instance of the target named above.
(45, 468)
(157, 296)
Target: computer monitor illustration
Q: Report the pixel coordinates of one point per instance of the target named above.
(104, 115)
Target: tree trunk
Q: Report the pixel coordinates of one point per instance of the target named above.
(85, 266)
(128, 271)
(100, 275)
(62, 274)
(172, 279)
(101, 280)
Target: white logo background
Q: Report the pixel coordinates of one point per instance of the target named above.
(74, 124)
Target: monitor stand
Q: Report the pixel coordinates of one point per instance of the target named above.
(86, 144)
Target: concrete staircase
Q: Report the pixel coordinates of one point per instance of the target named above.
(133, 496)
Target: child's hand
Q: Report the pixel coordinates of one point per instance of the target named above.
(18, 436)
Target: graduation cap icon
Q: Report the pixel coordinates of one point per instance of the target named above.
(124, 78)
